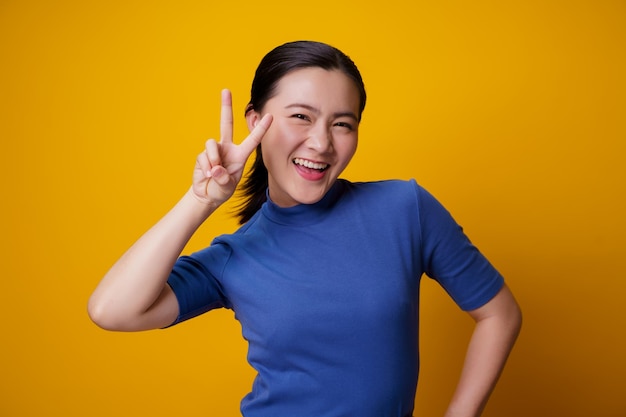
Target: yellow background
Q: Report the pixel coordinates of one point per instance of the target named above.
(511, 112)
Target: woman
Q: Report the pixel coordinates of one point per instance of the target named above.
(323, 273)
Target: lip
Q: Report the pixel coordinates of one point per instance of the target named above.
(310, 174)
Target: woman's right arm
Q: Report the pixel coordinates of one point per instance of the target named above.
(134, 295)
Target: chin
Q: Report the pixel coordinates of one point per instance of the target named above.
(310, 198)
(299, 193)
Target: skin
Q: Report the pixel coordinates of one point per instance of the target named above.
(134, 295)
(316, 124)
(311, 120)
(498, 324)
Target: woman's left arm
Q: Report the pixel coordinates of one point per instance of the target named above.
(497, 325)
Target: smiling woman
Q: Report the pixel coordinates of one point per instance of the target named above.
(324, 282)
(273, 68)
(313, 135)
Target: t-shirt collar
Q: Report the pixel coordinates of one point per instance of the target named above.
(303, 214)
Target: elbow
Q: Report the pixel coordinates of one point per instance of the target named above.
(513, 318)
(116, 312)
(515, 312)
(98, 314)
(518, 318)
(511, 315)
(102, 315)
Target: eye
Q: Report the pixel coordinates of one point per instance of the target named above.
(345, 125)
(300, 116)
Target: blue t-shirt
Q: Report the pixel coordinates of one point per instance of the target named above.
(328, 296)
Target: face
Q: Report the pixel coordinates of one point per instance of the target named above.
(313, 135)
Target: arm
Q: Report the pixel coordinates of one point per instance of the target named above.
(134, 294)
(497, 325)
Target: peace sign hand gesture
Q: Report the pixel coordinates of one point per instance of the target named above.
(219, 167)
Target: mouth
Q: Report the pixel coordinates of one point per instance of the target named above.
(305, 163)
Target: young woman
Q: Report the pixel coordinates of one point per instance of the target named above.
(323, 274)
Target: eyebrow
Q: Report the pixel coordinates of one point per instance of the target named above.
(317, 111)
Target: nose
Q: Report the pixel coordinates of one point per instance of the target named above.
(320, 139)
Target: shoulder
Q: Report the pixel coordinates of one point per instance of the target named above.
(400, 197)
(381, 188)
(385, 192)
(247, 231)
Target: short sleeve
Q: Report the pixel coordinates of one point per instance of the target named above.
(451, 259)
(195, 281)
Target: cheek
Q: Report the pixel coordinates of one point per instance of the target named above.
(347, 148)
(280, 140)
(286, 133)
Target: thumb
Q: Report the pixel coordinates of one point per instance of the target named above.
(220, 175)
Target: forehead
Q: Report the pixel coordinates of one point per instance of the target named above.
(319, 87)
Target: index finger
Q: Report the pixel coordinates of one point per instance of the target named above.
(226, 117)
(253, 140)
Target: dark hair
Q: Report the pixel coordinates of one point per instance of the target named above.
(273, 67)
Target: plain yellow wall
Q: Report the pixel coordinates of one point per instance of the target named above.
(513, 113)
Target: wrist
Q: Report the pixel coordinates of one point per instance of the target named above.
(470, 408)
(197, 207)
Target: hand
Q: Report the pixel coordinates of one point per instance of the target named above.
(220, 166)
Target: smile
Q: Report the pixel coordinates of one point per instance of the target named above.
(310, 164)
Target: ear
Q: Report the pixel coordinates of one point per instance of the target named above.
(252, 118)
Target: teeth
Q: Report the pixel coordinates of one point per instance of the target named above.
(309, 164)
